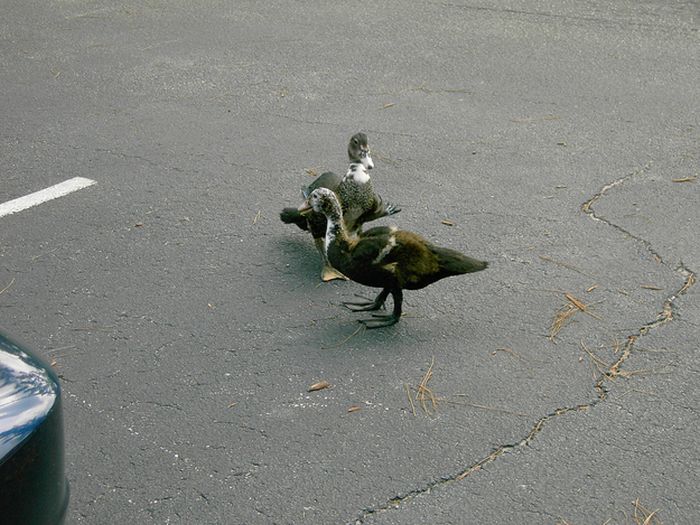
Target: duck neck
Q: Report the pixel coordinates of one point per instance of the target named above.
(335, 231)
(358, 173)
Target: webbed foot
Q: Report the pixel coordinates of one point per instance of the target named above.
(392, 209)
(328, 273)
(380, 321)
(368, 305)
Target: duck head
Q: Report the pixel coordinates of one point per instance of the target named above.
(358, 151)
(322, 200)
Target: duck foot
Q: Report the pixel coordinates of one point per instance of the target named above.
(379, 321)
(329, 274)
(368, 305)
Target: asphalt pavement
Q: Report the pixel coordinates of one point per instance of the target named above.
(559, 141)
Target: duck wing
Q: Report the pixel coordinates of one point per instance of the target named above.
(452, 262)
(378, 231)
(371, 247)
(376, 210)
(327, 180)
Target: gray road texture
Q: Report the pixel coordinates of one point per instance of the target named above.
(187, 322)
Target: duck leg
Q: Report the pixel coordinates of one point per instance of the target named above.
(378, 320)
(368, 305)
(328, 273)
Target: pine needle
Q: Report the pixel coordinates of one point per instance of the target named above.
(601, 365)
(410, 398)
(341, 343)
(486, 407)
(8, 286)
(562, 264)
(560, 319)
(644, 516)
(424, 393)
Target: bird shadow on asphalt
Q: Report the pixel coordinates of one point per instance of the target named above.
(330, 325)
(299, 262)
(295, 258)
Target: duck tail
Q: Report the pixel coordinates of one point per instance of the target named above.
(292, 216)
(452, 262)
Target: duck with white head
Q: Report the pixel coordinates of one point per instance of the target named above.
(355, 193)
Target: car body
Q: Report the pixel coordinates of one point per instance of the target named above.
(33, 485)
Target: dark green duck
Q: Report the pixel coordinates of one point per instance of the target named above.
(359, 202)
(385, 257)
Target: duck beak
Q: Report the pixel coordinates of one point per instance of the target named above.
(368, 162)
(305, 208)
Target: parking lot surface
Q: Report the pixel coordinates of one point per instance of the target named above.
(558, 141)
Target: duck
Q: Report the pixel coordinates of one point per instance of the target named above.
(384, 257)
(355, 192)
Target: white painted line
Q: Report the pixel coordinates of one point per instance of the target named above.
(50, 193)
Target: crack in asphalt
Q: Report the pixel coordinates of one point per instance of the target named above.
(666, 315)
(668, 310)
(587, 208)
(604, 21)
